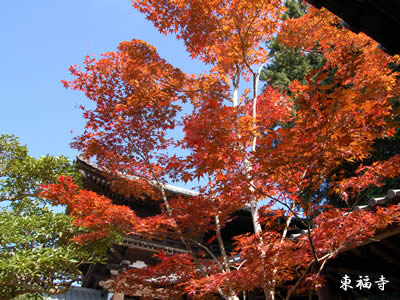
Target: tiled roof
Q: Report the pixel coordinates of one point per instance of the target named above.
(392, 196)
(169, 188)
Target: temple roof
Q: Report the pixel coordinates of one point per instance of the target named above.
(89, 168)
(392, 197)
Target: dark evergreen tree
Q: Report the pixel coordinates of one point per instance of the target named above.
(288, 64)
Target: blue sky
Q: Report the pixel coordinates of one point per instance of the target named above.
(40, 40)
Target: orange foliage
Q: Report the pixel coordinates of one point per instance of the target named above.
(228, 34)
(90, 210)
(269, 147)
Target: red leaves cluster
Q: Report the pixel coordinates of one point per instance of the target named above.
(193, 215)
(136, 95)
(272, 260)
(165, 280)
(97, 213)
(370, 175)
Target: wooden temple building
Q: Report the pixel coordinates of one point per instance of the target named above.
(135, 251)
(379, 256)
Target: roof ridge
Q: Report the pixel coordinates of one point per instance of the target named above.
(167, 187)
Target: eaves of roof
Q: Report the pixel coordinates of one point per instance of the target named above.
(392, 197)
(168, 187)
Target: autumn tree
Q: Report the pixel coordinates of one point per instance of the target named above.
(234, 144)
(36, 252)
(291, 63)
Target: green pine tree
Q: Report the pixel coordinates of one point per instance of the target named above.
(289, 64)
